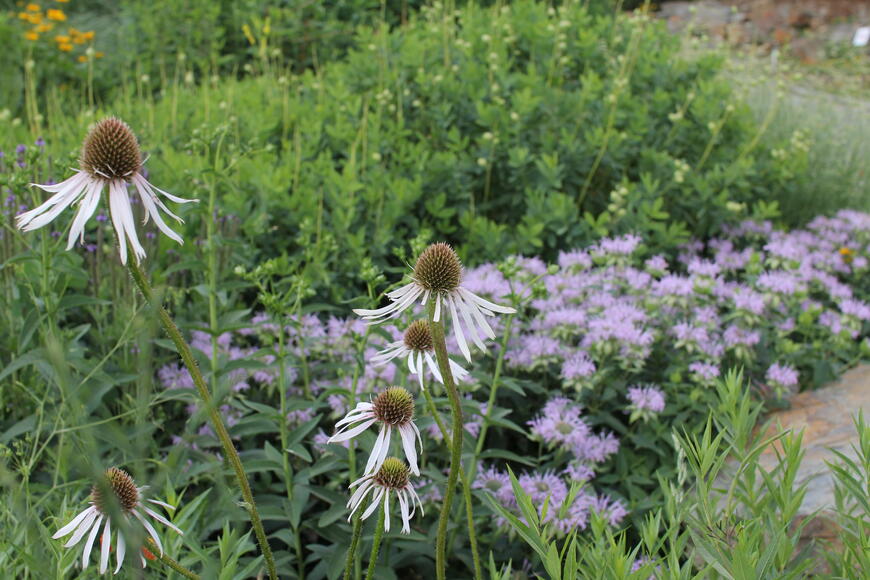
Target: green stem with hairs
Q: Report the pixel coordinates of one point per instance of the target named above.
(174, 564)
(376, 546)
(217, 422)
(469, 508)
(354, 541)
(436, 329)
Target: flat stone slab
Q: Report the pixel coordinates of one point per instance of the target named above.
(826, 417)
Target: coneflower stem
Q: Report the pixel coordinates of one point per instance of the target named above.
(436, 329)
(354, 542)
(217, 422)
(376, 545)
(172, 563)
(469, 508)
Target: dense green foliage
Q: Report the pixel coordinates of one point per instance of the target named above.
(328, 143)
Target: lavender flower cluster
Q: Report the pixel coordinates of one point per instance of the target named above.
(756, 297)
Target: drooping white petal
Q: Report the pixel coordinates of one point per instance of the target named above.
(376, 500)
(469, 324)
(386, 510)
(122, 550)
(168, 195)
(436, 372)
(146, 189)
(391, 351)
(56, 187)
(406, 433)
(73, 524)
(106, 544)
(89, 543)
(457, 332)
(162, 520)
(70, 191)
(475, 310)
(160, 503)
(118, 191)
(77, 180)
(469, 295)
(152, 211)
(403, 507)
(459, 373)
(419, 439)
(86, 210)
(115, 203)
(151, 531)
(438, 299)
(413, 493)
(356, 499)
(379, 451)
(350, 433)
(82, 529)
(395, 308)
(402, 291)
(411, 366)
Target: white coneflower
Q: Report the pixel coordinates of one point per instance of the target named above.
(391, 477)
(394, 408)
(438, 275)
(417, 346)
(110, 158)
(129, 500)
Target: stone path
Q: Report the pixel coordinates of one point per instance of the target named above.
(806, 27)
(825, 415)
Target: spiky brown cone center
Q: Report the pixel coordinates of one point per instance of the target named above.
(121, 485)
(395, 406)
(111, 151)
(393, 474)
(417, 337)
(438, 268)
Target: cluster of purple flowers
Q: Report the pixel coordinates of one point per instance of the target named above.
(560, 425)
(607, 311)
(563, 512)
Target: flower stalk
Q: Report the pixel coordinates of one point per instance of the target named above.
(217, 422)
(354, 543)
(469, 508)
(440, 346)
(174, 564)
(376, 545)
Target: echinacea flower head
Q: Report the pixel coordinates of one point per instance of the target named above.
(438, 276)
(394, 409)
(110, 158)
(416, 346)
(393, 476)
(116, 496)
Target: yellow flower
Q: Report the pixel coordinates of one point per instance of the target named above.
(62, 39)
(247, 30)
(99, 54)
(847, 254)
(31, 35)
(44, 27)
(24, 16)
(62, 1)
(32, 8)
(66, 47)
(89, 35)
(55, 14)
(82, 58)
